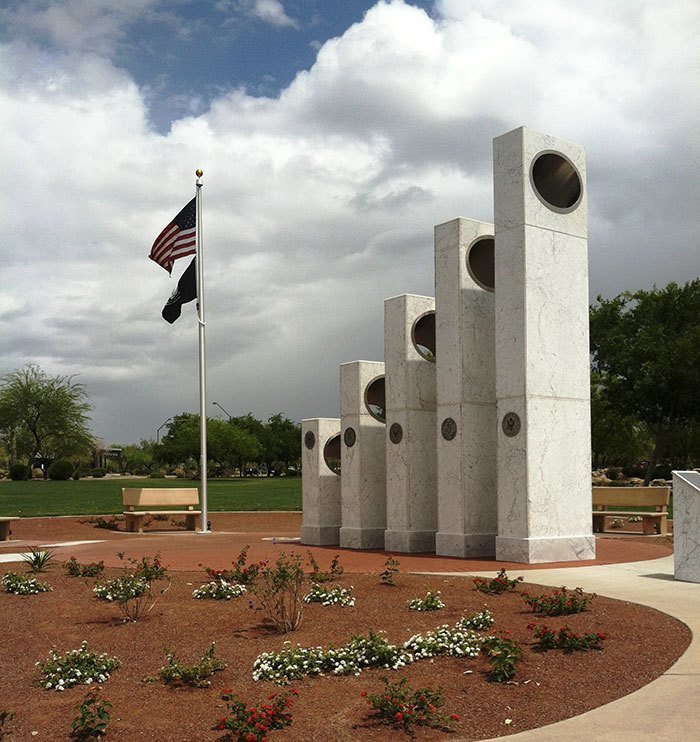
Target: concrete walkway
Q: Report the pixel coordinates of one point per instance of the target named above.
(668, 709)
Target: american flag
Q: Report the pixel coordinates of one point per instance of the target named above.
(178, 239)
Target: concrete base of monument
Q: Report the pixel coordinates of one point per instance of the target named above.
(320, 535)
(465, 545)
(545, 550)
(410, 542)
(362, 538)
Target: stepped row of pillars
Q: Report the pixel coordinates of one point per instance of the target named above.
(472, 437)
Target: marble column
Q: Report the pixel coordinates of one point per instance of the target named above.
(363, 484)
(542, 349)
(411, 458)
(320, 485)
(686, 525)
(466, 389)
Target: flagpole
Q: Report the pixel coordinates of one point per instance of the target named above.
(202, 358)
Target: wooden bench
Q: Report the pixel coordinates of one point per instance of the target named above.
(5, 528)
(610, 502)
(159, 498)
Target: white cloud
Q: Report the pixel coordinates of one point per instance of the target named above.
(321, 203)
(270, 11)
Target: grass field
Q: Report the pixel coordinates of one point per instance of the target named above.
(103, 496)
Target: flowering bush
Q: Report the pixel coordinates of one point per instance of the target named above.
(132, 591)
(219, 590)
(499, 584)
(503, 652)
(93, 717)
(443, 641)
(279, 592)
(196, 675)
(330, 596)
(477, 621)
(251, 723)
(242, 572)
(402, 707)
(431, 602)
(21, 585)
(565, 639)
(75, 667)
(75, 569)
(561, 602)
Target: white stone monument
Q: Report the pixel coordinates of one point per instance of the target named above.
(466, 389)
(363, 457)
(320, 487)
(542, 349)
(686, 525)
(411, 458)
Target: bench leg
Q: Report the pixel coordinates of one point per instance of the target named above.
(5, 530)
(132, 521)
(651, 526)
(598, 522)
(191, 521)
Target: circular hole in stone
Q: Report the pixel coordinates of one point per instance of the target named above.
(556, 181)
(375, 398)
(480, 262)
(423, 336)
(331, 453)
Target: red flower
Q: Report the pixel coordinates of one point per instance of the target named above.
(364, 694)
(454, 717)
(399, 716)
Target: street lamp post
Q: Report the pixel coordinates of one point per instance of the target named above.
(161, 428)
(222, 409)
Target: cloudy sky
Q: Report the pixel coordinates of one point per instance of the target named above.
(333, 135)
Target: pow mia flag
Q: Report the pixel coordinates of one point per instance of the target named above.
(185, 292)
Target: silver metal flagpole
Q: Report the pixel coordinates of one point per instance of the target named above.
(202, 358)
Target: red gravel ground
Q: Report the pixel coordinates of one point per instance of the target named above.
(642, 643)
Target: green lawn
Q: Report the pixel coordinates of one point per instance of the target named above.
(103, 496)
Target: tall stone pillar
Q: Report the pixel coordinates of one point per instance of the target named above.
(363, 483)
(320, 485)
(411, 459)
(542, 349)
(466, 388)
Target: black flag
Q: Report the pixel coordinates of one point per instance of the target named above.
(186, 291)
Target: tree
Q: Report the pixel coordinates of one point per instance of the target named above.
(43, 416)
(283, 441)
(645, 347)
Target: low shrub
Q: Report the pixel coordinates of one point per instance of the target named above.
(93, 717)
(503, 653)
(279, 592)
(61, 470)
(77, 666)
(18, 472)
(405, 708)
(499, 584)
(196, 675)
(22, 585)
(431, 602)
(561, 602)
(391, 569)
(99, 472)
(318, 575)
(254, 723)
(330, 595)
(565, 639)
(219, 590)
(75, 569)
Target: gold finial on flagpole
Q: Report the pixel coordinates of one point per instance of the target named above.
(199, 173)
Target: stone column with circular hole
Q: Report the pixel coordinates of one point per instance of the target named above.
(466, 388)
(411, 458)
(363, 457)
(320, 486)
(542, 349)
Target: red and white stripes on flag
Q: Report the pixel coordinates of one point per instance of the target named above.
(178, 239)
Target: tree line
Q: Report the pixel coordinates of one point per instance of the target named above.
(645, 405)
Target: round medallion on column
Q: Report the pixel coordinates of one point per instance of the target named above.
(349, 437)
(395, 433)
(309, 439)
(448, 428)
(511, 424)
